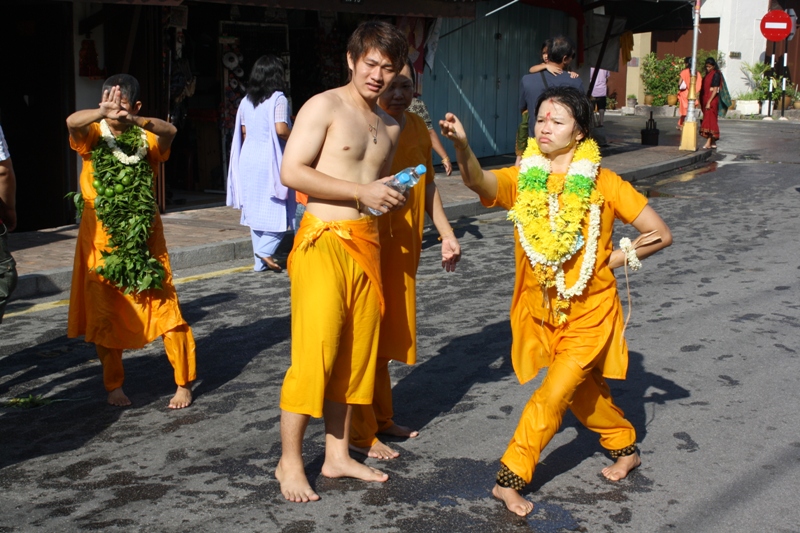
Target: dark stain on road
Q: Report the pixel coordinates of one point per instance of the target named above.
(728, 381)
(692, 347)
(688, 443)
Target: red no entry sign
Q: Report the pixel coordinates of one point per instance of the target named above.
(776, 25)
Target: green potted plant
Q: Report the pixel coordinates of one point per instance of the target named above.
(611, 103)
(631, 101)
(661, 78)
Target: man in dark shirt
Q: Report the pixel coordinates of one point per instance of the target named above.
(562, 51)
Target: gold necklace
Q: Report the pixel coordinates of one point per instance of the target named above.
(373, 130)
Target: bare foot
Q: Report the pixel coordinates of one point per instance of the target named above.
(378, 450)
(396, 430)
(352, 468)
(513, 500)
(118, 398)
(294, 484)
(182, 398)
(622, 467)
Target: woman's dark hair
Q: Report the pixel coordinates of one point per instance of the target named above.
(546, 46)
(687, 62)
(713, 62)
(410, 66)
(128, 86)
(380, 36)
(266, 77)
(575, 101)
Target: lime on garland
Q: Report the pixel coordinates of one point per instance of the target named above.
(97, 184)
(118, 188)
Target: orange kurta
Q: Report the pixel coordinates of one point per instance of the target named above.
(683, 96)
(401, 246)
(98, 309)
(594, 317)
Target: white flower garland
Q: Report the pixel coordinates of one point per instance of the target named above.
(121, 156)
(589, 258)
(630, 254)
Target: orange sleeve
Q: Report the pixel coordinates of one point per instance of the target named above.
(86, 145)
(626, 201)
(506, 188)
(155, 153)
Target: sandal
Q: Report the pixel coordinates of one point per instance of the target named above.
(271, 264)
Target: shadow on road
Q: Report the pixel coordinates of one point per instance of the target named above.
(630, 396)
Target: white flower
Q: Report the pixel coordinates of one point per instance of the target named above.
(584, 168)
(589, 257)
(630, 254)
(121, 156)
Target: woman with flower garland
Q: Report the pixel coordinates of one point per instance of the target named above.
(565, 312)
(122, 295)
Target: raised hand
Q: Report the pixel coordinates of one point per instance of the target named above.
(452, 128)
(111, 106)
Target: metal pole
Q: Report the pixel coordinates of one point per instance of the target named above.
(689, 133)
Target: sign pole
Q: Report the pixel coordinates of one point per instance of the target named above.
(689, 132)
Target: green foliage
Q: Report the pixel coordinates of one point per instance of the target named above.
(611, 103)
(702, 55)
(632, 96)
(127, 216)
(757, 76)
(28, 402)
(661, 77)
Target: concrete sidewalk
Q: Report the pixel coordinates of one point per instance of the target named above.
(205, 236)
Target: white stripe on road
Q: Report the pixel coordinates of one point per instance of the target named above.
(188, 279)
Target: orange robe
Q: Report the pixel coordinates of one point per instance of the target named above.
(683, 96)
(580, 353)
(99, 310)
(401, 246)
(337, 304)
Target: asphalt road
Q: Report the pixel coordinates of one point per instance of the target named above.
(712, 389)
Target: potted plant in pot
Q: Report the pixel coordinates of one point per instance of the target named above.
(660, 78)
(631, 101)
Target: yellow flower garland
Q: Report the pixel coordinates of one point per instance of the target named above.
(549, 214)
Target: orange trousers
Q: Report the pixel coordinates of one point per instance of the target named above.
(367, 420)
(180, 348)
(582, 390)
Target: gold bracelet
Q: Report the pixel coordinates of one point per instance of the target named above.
(445, 159)
(358, 206)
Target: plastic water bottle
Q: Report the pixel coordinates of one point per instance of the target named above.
(402, 181)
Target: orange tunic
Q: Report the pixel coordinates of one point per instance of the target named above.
(594, 317)
(683, 96)
(401, 246)
(99, 310)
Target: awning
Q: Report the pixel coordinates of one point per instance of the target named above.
(408, 8)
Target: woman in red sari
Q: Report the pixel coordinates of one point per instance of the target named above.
(709, 97)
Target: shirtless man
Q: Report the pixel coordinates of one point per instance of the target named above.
(342, 143)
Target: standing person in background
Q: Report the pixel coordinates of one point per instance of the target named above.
(401, 246)
(683, 90)
(600, 92)
(254, 174)
(120, 298)
(8, 221)
(716, 100)
(552, 68)
(419, 108)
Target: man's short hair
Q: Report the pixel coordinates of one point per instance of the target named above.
(128, 86)
(380, 36)
(560, 49)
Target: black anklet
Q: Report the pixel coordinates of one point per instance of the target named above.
(624, 452)
(509, 480)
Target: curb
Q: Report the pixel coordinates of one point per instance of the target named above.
(59, 280)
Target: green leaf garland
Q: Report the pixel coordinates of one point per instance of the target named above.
(126, 207)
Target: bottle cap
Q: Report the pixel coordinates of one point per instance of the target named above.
(420, 170)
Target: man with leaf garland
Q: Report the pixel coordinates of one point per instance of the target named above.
(122, 293)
